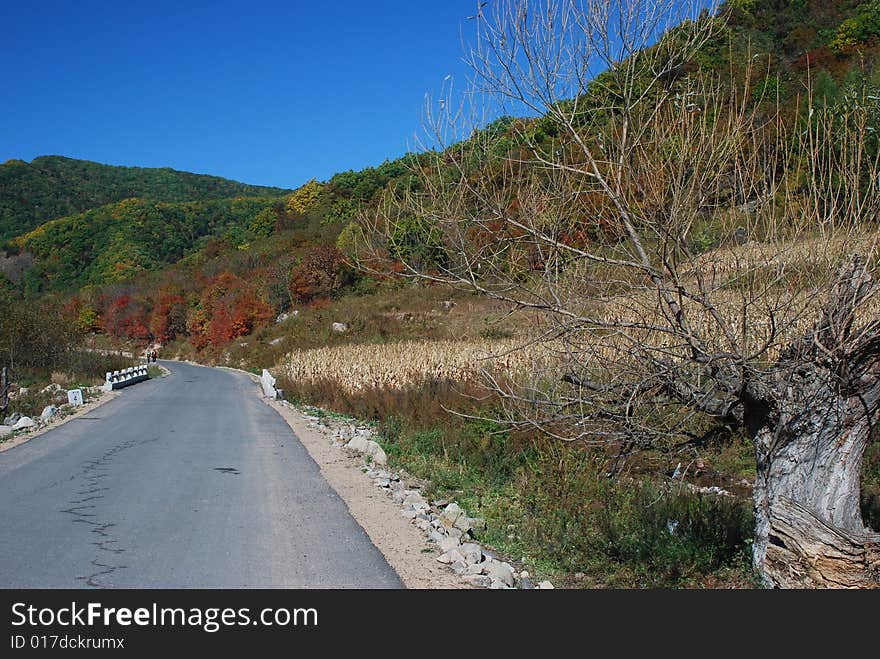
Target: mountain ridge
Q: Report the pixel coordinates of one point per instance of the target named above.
(52, 186)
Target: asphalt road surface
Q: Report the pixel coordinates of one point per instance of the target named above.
(188, 481)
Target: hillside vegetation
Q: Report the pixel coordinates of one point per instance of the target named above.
(50, 187)
(116, 242)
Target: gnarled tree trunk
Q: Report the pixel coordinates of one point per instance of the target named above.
(812, 420)
(809, 528)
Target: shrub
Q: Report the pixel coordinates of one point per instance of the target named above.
(322, 273)
(858, 30)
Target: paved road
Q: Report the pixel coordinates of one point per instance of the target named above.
(188, 481)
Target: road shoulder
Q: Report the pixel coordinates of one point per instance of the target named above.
(22, 438)
(399, 541)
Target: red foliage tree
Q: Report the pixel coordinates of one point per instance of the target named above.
(229, 308)
(169, 316)
(126, 319)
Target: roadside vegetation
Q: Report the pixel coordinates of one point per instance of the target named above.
(39, 347)
(553, 505)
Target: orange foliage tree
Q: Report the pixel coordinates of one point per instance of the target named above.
(229, 307)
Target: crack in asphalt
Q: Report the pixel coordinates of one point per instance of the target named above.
(83, 512)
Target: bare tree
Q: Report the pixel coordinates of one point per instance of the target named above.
(618, 217)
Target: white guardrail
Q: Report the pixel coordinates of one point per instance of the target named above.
(125, 377)
(267, 381)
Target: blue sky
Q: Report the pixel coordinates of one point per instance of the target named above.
(264, 92)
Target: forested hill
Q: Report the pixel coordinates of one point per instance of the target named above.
(49, 187)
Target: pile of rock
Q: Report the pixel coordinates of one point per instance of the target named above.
(15, 422)
(358, 440)
(60, 407)
(446, 526)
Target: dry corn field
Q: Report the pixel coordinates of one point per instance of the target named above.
(823, 252)
(396, 365)
(748, 285)
(764, 294)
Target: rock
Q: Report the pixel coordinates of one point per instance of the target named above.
(499, 585)
(12, 419)
(358, 443)
(475, 568)
(472, 553)
(383, 483)
(477, 523)
(501, 572)
(451, 514)
(340, 327)
(526, 584)
(275, 342)
(454, 533)
(545, 585)
(378, 454)
(5, 430)
(490, 556)
(50, 389)
(478, 580)
(450, 557)
(440, 503)
(463, 523)
(408, 514)
(436, 536)
(24, 422)
(397, 496)
(366, 433)
(282, 317)
(448, 304)
(48, 412)
(523, 575)
(413, 498)
(459, 567)
(422, 525)
(448, 544)
(361, 444)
